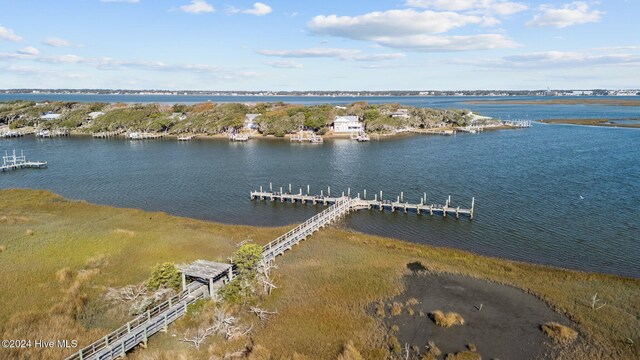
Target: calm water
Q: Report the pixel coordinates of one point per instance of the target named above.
(554, 194)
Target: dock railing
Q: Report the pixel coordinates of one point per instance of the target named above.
(138, 330)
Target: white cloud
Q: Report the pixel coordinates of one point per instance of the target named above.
(412, 30)
(430, 43)
(496, 7)
(342, 54)
(120, 1)
(391, 22)
(56, 42)
(29, 50)
(107, 63)
(197, 7)
(8, 34)
(556, 59)
(285, 64)
(259, 9)
(575, 13)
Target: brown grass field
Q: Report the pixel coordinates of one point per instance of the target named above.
(53, 279)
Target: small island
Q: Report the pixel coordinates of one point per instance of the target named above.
(623, 123)
(141, 121)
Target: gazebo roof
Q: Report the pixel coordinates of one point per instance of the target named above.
(205, 269)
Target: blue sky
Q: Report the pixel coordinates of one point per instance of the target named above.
(319, 45)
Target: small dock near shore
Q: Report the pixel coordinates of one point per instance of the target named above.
(433, 131)
(107, 134)
(361, 202)
(16, 133)
(309, 138)
(144, 135)
(15, 162)
(238, 137)
(51, 133)
(186, 137)
(518, 123)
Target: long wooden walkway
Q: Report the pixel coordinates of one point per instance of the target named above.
(359, 203)
(137, 331)
(341, 206)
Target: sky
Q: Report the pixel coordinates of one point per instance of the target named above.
(319, 45)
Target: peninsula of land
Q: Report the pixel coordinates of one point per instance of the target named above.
(48, 119)
(623, 123)
(68, 273)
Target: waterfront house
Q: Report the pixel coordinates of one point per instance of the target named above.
(50, 116)
(249, 121)
(400, 113)
(347, 124)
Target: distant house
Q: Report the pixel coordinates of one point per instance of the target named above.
(400, 113)
(50, 116)
(249, 121)
(95, 114)
(347, 124)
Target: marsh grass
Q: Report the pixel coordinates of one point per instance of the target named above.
(463, 355)
(446, 320)
(327, 287)
(559, 333)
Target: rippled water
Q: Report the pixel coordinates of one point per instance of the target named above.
(553, 194)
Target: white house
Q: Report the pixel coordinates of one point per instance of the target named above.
(400, 113)
(347, 124)
(249, 123)
(50, 116)
(93, 115)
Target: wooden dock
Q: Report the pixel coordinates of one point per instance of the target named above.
(302, 137)
(361, 137)
(144, 135)
(207, 277)
(107, 134)
(186, 137)
(341, 207)
(378, 203)
(433, 131)
(238, 137)
(15, 162)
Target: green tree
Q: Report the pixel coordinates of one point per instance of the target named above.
(164, 276)
(246, 260)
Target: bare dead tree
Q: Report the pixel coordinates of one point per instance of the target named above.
(199, 337)
(264, 277)
(133, 292)
(261, 313)
(595, 301)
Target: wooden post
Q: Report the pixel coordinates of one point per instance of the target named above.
(260, 188)
(365, 194)
(230, 274)
(289, 188)
(449, 201)
(280, 190)
(380, 195)
(402, 196)
(321, 193)
(425, 197)
(329, 190)
(270, 187)
(307, 189)
(349, 192)
(210, 288)
(184, 282)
